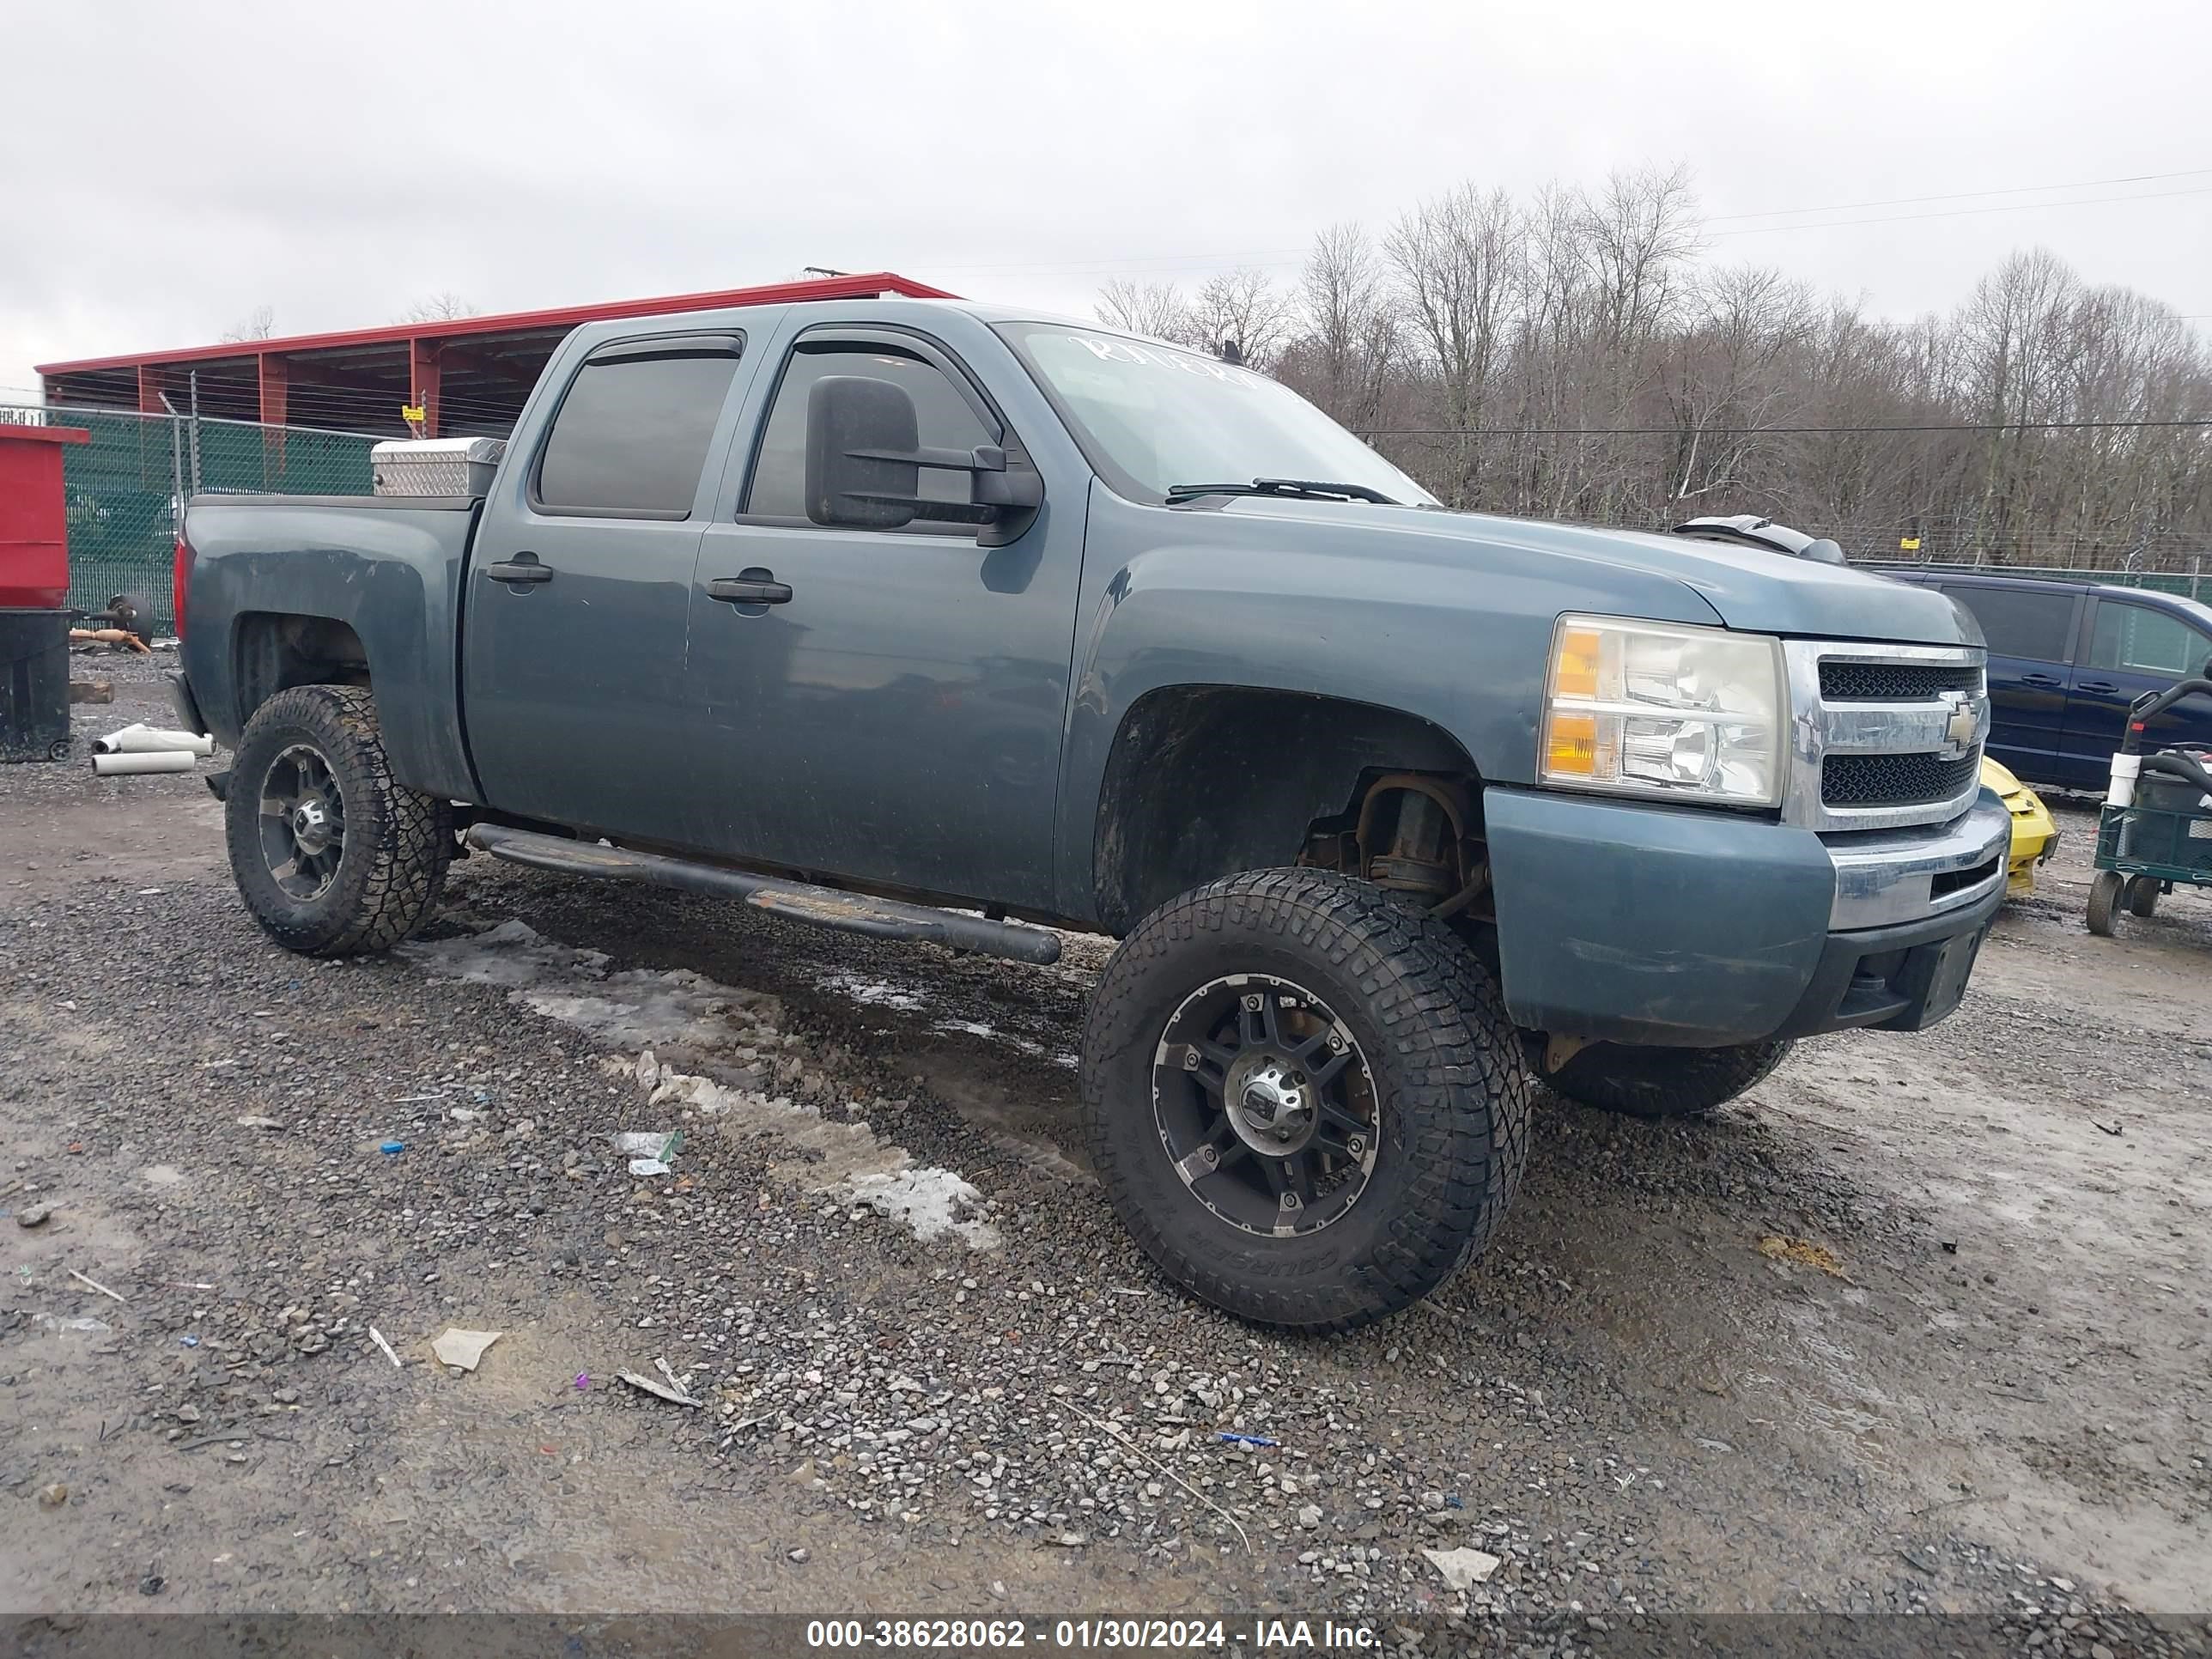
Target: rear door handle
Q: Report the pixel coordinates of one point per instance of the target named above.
(2097, 688)
(2048, 682)
(749, 590)
(522, 568)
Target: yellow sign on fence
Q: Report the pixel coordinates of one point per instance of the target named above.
(1909, 543)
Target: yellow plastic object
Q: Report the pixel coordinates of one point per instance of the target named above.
(2034, 836)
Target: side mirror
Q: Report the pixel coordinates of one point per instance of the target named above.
(856, 429)
(864, 462)
(1822, 552)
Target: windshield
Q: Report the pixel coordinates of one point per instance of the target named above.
(1151, 416)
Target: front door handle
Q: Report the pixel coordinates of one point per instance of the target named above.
(2097, 688)
(749, 590)
(522, 568)
(2048, 682)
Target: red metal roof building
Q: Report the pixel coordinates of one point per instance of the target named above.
(467, 374)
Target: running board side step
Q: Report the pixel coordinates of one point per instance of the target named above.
(851, 913)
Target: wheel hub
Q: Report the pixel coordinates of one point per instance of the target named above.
(311, 826)
(1264, 1105)
(302, 822)
(1272, 1112)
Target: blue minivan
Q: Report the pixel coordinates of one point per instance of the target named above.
(2066, 659)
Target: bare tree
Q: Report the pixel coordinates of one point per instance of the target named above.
(1642, 230)
(1460, 261)
(443, 306)
(1569, 354)
(1352, 340)
(258, 324)
(1154, 308)
(1733, 370)
(1239, 315)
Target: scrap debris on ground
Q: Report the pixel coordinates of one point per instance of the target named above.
(1901, 1332)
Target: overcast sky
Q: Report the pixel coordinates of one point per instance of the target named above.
(170, 166)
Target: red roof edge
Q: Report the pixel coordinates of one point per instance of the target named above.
(863, 287)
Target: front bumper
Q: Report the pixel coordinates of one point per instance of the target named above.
(1683, 927)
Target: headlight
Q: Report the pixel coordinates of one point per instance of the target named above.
(1649, 708)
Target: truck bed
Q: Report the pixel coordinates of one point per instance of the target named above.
(387, 570)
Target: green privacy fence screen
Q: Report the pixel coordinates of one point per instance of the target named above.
(124, 488)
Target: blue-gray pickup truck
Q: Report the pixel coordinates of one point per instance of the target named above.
(950, 622)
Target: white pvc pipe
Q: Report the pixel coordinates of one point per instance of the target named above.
(162, 760)
(2121, 791)
(143, 739)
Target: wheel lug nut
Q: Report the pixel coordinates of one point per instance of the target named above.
(1356, 1145)
(1190, 1059)
(1252, 1003)
(1335, 1042)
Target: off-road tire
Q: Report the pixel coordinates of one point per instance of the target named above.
(2105, 893)
(1641, 1082)
(397, 841)
(1451, 1093)
(2143, 895)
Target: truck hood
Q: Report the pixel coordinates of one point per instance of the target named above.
(1748, 589)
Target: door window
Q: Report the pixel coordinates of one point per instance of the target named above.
(632, 433)
(2137, 639)
(2020, 622)
(943, 414)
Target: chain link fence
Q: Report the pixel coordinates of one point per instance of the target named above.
(2194, 583)
(126, 488)
(1619, 477)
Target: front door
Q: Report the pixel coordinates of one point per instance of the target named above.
(886, 705)
(2133, 649)
(2030, 630)
(579, 592)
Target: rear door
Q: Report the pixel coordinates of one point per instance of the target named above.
(579, 592)
(2131, 648)
(891, 712)
(2030, 627)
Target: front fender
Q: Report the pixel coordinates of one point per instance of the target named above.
(1391, 614)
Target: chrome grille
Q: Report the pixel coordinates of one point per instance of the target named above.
(1894, 780)
(1883, 737)
(1894, 682)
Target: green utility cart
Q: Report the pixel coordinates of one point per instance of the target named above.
(2155, 831)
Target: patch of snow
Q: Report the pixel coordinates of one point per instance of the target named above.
(931, 1201)
(874, 992)
(718, 1029)
(639, 1007)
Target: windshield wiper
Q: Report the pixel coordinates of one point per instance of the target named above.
(1310, 489)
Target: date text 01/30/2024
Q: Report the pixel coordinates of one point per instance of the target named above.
(1185, 1635)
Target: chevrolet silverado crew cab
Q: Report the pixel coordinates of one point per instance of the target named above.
(932, 620)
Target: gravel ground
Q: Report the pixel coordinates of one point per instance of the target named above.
(1918, 1328)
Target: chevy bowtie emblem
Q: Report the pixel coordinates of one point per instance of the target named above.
(1964, 729)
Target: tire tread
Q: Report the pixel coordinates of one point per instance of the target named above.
(1641, 1082)
(1463, 1090)
(410, 834)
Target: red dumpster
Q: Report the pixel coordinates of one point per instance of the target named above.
(34, 518)
(35, 714)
